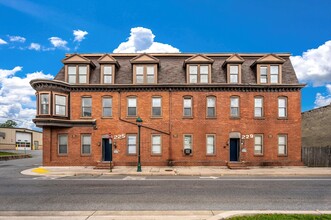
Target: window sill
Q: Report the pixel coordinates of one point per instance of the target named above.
(187, 117)
(258, 155)
(62, 155)
(156, 117)
(282, 118)
(211, 118)
(282, 155)
(234, 118)
(156, 155)
(107, 117)
(131, 116)
(86, 117)
(259, 118)
(131, 155)
(210, 155)
(86, 155)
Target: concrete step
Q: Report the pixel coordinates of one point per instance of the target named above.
(236, 165)
(104, 165)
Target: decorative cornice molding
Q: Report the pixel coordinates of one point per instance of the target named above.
(53, 85)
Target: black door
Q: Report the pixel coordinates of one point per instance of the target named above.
(234, 149)
(106, 150)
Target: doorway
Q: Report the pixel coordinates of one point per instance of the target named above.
(107, 154)
(234, 149)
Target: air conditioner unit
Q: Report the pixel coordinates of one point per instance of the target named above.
(187, 151)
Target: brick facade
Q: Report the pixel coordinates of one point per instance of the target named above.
(172, 126)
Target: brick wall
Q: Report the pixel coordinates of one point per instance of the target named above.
(175, 126)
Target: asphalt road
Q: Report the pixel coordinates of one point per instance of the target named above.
(29, 193)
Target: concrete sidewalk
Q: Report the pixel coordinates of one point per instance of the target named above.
(137, 215)
(179, 171)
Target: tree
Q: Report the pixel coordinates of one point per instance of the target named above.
(8, 124)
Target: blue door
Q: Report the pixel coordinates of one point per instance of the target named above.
(106, 150)
(234, 149)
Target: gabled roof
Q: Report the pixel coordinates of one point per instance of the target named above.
(234, 58)
(77, 59)
(269, 58)
(144, 58)
(199, 58)
(108, 59)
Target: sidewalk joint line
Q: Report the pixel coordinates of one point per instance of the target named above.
(90, 215)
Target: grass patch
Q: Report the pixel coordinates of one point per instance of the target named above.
(283, 217)
(7, 154)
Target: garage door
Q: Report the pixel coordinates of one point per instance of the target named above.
(23, 140)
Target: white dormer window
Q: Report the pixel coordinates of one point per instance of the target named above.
(77, 74)
(199, 73)
(269, 69)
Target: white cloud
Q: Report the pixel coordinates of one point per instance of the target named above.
(17, 96)
(323, 100)
(34, 46)
(79, 35)
(142, 40)
(314, 65)
(17, 39)
(58, 43)
(2, 41)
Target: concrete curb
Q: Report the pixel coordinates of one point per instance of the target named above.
(178, 171)
(230, 214)
(14, 157)
(156, 215)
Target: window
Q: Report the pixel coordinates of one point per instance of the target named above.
(269, 74)
(107, 104)
(82, 73)
(86, 107)
(282, 109)
(132, 106)
(258, 107)
(108, 74)
(60, 105)
(86, 144)
(234, 73)
(211, 107)
(132, 143)
(44, 104)
(198, 73)
(258, 144)
(77, 73)
(210, 142)
(63, 144)
(156, 144)
(263, 74)
(274, 72)
(145, 74)
(234, 106)
(156, 106)
(187, 107)
(71, 74)
(282, 144)
(187, 141)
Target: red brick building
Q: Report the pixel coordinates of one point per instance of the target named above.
(197, 109)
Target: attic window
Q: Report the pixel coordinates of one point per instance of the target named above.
(198, 69)
(77, 74)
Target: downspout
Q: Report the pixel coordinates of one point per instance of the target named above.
(170, 162)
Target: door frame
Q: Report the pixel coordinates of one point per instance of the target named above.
(104, 137)
(235, 135)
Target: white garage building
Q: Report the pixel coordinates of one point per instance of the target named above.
(20, 139)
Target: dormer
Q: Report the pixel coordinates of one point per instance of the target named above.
(108, 66)
(233, 68)
(198, 69)
(77, 69)
(269, 69)
(145, 69)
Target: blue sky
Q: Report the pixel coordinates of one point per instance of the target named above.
(35, 35)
